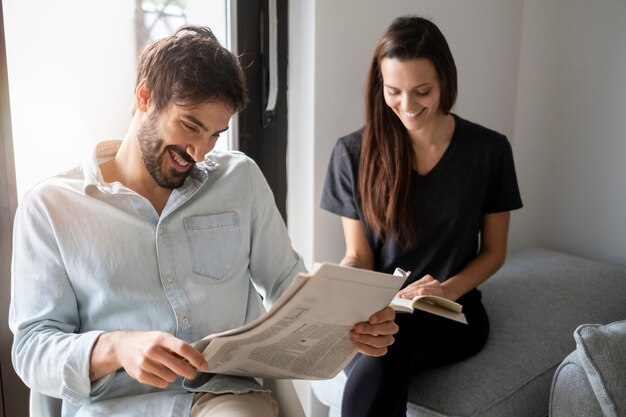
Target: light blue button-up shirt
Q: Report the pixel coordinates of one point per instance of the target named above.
(91, 257)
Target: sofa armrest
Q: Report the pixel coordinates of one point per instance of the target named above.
(571, 394)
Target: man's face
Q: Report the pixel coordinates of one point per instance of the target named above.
(172, 140)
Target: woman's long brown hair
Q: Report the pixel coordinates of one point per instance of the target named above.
(386, 162)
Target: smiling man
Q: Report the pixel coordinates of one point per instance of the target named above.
(151, 244)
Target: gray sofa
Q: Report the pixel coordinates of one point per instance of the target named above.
(535, 303)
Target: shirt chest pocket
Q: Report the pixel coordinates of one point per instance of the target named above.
(214, 243)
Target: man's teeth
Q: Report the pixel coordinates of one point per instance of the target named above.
(180, 161)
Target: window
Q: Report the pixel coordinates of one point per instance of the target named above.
(71, 72)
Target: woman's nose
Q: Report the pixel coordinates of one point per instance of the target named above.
(405, 103)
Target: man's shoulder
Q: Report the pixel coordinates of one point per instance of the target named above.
(55, 190)
(71, 179)
(227, 161)
(230, 164)
(228, 156)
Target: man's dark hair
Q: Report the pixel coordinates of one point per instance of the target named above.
(190, 67)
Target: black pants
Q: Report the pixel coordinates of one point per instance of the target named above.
(378, 386)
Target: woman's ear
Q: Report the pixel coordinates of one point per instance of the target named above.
(142, 96)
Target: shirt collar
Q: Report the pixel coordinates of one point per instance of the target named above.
(106, 149)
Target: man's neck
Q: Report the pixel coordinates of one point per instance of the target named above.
(127, 168)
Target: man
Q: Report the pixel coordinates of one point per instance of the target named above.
(121, 263)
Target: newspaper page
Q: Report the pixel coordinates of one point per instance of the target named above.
(306, 334)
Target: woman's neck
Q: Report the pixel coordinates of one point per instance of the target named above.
(430, 144)
(438, 132)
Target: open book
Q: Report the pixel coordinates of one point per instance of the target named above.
(306, 334)
(431, 304)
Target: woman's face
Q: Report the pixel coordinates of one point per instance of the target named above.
(411, 89)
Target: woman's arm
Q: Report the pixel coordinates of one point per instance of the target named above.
(490, 258)
(493, 245)
(358, 250)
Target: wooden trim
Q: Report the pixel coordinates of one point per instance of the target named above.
(14, 400)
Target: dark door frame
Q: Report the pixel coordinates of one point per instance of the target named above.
(263, 136)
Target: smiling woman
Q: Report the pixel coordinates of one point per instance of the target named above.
(421, 189)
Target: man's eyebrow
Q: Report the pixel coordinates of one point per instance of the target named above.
(201, 125)
(195, 121)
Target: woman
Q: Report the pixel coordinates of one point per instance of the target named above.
(421, 189)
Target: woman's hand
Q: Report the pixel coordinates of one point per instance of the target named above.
(490, 257)
(373, 337)
(427, 285)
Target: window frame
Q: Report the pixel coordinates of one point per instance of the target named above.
(14, 398)
(264, 142)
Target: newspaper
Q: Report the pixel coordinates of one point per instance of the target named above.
(306, 333)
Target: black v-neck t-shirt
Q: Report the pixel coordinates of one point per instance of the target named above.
(474, 176)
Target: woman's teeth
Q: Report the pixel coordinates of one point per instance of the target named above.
(413, 113)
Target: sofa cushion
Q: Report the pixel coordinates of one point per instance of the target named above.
(535, 302)
(602, 352)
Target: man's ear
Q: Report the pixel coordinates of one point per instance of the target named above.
(142, 96)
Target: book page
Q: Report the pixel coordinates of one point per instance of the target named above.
(306, 334)
(431, 304)
(439, 301)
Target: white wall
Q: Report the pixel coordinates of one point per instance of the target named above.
(331, 44)
(570, 131)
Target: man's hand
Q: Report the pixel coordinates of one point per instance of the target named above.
(154, 358)
(374, 336)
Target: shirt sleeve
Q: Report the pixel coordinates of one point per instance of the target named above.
(340, 192)
(273, 261)
(48, 353)
(503, 193)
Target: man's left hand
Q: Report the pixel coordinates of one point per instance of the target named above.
(374, 336)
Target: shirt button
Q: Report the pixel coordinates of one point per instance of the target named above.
(170, 280)
(161, 231)
(185, 321)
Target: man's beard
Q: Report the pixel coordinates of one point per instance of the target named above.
(150, 144)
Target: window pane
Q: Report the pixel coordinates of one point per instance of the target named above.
(71, 68)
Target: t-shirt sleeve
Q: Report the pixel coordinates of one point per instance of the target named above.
(340, 187)
(503, 193)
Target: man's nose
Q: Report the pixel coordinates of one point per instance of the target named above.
(197, 152)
